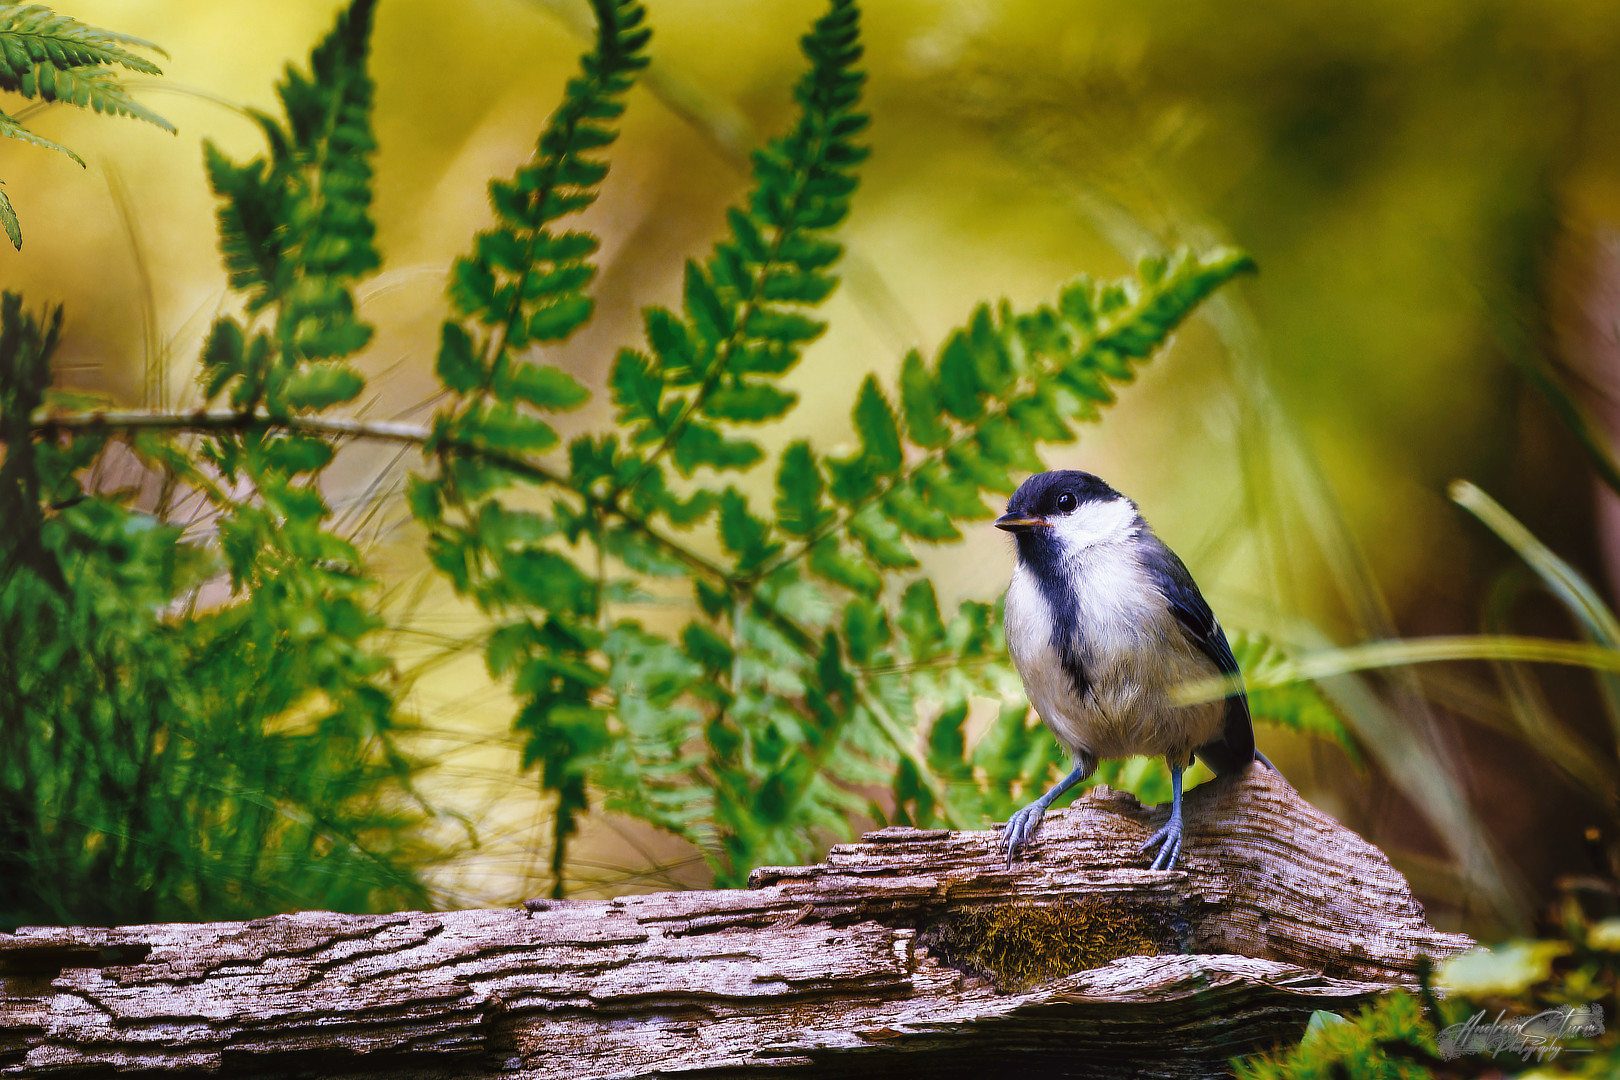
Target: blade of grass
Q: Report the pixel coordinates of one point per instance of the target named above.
(1575, 419)
(1403, 652)
(1562, 579)
(1538, 724)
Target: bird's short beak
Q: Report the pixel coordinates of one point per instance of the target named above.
(1020, 522)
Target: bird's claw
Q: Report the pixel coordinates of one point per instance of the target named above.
(1168, 841)
(1020, 830)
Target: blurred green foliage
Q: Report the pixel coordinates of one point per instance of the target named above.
(164, 759)
(1429, 188)
(233, 756)
(157, 761)
(168, 751)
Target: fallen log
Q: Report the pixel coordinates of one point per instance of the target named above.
(914, 950)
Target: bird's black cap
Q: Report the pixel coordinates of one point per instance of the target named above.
(1042, 496)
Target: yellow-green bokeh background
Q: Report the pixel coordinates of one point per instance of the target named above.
(1430, 190)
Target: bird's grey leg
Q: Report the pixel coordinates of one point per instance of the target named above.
(1169, 834)
(1021, 826)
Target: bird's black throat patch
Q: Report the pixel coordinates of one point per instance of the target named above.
(1041, 552)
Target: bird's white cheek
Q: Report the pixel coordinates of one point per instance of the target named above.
(1095, 523)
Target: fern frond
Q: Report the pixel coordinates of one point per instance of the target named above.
(967, 422)
(295, 230)
(250, 216)
(745, 316)
(771, 699)
(525, 284)
(8, 219)
(95, 88)
(296, 233)
(329, 123)
(11, 129)
(33, 34)
(56, 58)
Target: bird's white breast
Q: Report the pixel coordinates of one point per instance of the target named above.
(1132, 649)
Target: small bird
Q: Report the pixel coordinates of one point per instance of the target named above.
(1103, 622)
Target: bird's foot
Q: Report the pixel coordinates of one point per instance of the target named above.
(1021, 829)
(1168, 841)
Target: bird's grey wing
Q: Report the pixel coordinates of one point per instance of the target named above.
(1235, 747)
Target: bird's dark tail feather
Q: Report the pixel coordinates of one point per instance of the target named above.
(1223, 760)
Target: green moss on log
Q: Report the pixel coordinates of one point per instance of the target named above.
(1021, 945)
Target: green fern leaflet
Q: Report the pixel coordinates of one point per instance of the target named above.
(54, 58)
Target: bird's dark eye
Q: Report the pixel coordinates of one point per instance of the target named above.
(1066, 502)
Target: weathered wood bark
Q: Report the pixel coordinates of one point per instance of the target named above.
(913, 950)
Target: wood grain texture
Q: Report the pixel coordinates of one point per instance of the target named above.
(840, 969)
